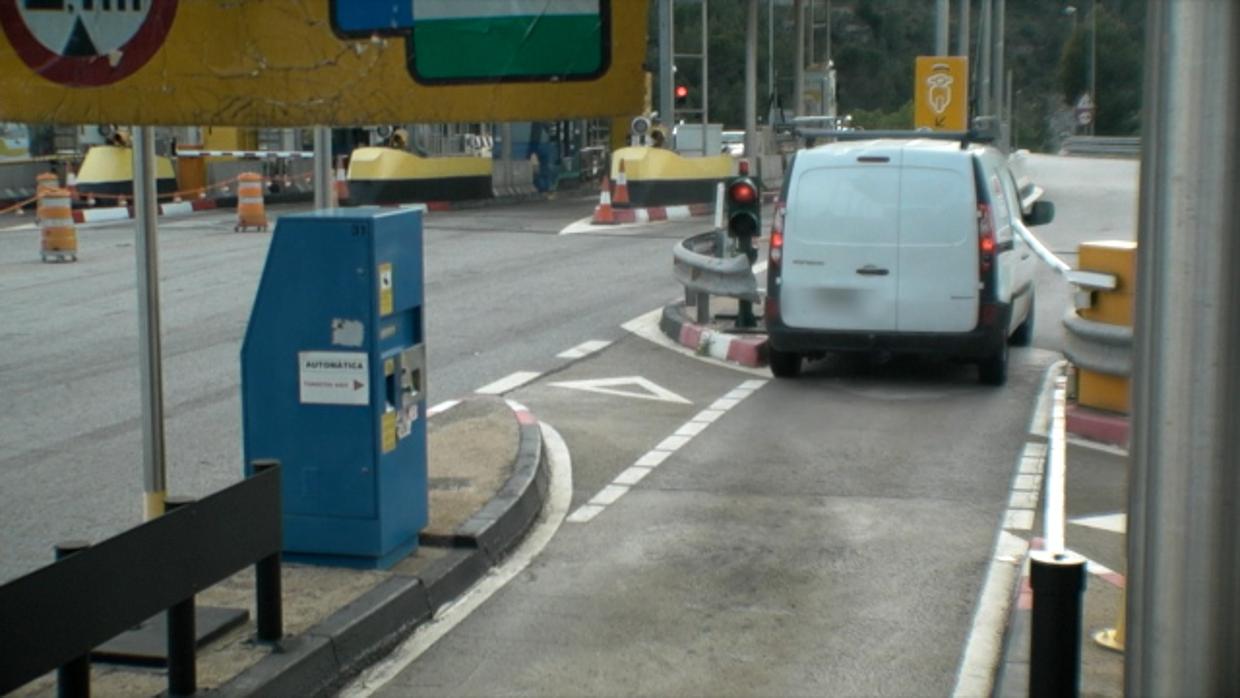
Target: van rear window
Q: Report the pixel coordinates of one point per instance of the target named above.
(846, 205)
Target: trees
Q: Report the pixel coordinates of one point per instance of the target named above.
(1119, 52)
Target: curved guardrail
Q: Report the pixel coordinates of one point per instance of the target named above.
(700, 272)
(1119, 146)
(1098, 346)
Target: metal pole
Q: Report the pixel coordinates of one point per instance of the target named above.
(983, 69)
(1183, 633)
(667, 103)
(323, 168)
(813, 27)
(962, 41)
(751, 81)
(996, 60)
(505, 131)
(705, 71)
(73, 677)
(145, 203)
(798, 10)
(941, 23)
(770, 63)
(181, 635)
(1093, 63)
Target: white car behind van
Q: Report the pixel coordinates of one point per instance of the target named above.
(901, 245)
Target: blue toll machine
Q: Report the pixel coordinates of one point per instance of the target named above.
(333, 383)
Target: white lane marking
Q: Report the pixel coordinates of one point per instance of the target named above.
(980, 660)
(646, 326)
(643, 388)
(623, 482)
(509, 382)
(633, 475)
(976, 677)
(560, 491)
(653, 459)
(442, 407)
(1115, 523)
(585, 513)
(1023, 500)
(724, 404)
(737, 394)
(584, 349)
(609, 495)
(1095, 446)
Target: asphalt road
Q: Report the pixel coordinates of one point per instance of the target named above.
(827, 535)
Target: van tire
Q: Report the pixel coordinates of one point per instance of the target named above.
(784, 364)
(1023, 336)
(992, 370)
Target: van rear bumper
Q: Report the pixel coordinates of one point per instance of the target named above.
(975, 344)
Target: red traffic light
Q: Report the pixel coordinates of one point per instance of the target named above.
(681, 92)
(743, 193)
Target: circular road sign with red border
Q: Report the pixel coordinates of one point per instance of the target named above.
(86, 43)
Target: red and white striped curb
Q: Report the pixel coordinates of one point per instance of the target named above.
(659, 213)
(116, 213)
(746, 350)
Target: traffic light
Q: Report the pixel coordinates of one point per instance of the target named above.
(682, 95)
(744, 209)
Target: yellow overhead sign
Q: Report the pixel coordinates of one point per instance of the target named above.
(941, 93)
(319, 62)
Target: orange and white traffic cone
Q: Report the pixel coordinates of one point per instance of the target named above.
(603, 213)
(621, 199)
(58, 233)
(342, 182)
(251, 210)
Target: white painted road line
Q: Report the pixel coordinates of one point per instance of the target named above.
(560, 495)
(1115, 523)
(442, 407)
(509, 382)
(584, 349)
(623, 482)
(646, 326)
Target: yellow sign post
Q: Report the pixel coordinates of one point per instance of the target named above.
(281, 63)
(941, 93)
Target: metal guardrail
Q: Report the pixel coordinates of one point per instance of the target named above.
(696, 267)
(53, 617)
(1118, 146)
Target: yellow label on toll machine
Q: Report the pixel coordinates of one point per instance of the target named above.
(941, 93)
(388, 429)
(385, 289)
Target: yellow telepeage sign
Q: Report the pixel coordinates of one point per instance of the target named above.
(941, 93)
(319, 62)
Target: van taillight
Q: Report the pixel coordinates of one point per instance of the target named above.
(985, 237)
(777, 236)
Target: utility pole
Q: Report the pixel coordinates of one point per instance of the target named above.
(667, 78)
(983, 68)
(997, 82)
(770, 61)
(751, 80)
(941, 23)
(798, 9)
(1093, 62)
(1183, 621)
(962, 41)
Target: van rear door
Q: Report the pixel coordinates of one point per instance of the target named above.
(938, 253)
(840, 241)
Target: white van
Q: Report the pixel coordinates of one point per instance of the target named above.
(900, 245)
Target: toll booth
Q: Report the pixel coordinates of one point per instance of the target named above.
(333, 383)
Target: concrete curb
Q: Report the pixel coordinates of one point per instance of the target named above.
(320, 659)
(653, 213)
(746, 350)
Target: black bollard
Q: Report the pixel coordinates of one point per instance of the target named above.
(1058, 582)
(182, 634)
(267, 583)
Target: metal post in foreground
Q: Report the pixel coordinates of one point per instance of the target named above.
(268, 605)
(1183, 623)
(997, 30)
(666, 76)
(323, 168)
(1058, 582)
(182, 635)
(983, 61)
(798, 94)
(146, 247)
(942, 21)
(962, 42)
(751, 80)
(73, 677)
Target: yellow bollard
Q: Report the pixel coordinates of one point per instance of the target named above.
(251, 211)
(1118, 258)
(59, 235)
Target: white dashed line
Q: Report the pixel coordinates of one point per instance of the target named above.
(509, 382)
(584, 349)
(655, 457)
(442, 407)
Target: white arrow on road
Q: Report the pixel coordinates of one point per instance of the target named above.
(1115, 523)
(640, 388)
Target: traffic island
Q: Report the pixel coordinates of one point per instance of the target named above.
(718, 338)
(488, 481)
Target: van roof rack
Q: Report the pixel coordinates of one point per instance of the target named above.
(965, 137)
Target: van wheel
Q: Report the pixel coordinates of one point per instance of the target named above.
(1023, 336)
(784, 364)
(992, 370)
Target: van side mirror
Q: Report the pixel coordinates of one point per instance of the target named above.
(1041, 213)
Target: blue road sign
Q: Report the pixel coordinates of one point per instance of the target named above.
(368, 17)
